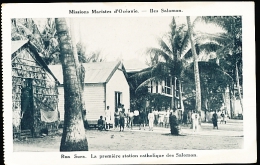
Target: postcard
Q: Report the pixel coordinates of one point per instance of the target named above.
(129, 83)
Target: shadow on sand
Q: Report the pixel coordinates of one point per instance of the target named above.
(169, 134)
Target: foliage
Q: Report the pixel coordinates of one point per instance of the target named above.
(173, 56)
(46, 42)
(85, 57)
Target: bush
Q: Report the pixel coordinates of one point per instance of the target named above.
(174, 125)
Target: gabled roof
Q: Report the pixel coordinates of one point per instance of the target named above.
(16, 45)
(98, 72)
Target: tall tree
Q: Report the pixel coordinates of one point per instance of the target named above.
(230, 54)
(74, 136)
(174, 55)
(196, 67)
(166, 62)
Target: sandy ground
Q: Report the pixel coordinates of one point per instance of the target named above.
(228, 136)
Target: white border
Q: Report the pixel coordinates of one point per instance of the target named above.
(245, 9)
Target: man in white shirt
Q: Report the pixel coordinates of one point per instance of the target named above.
(195, 121)
(156, 116)
(131, 119)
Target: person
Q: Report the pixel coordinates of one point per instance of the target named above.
(215, 120)
(122, 119)
(225, 118)
(142, 119)
(116, 115)
(185, 118)
(161, 118)
(151, 120)
(131, 119)
(156, 116)
(107, 117)
(189, 117)
(222, 118)
(127, 118)
(195, 121)
(136, 117)
(166, 118)
(101, 124)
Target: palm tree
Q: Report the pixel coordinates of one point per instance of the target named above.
(196, 67)
(174, 54)
(74, 136)
(166, 62)
(45, 41)
(229, 56)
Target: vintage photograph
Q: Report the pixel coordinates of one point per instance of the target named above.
(147, 88)
(79, 85)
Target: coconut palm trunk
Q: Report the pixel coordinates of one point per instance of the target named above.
(73, 137)
(196, 67)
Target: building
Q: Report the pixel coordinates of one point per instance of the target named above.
(105, 85)
(34, 92)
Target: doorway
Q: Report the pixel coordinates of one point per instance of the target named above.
(27, 105)
(118, 99)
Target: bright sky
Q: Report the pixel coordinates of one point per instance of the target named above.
(124, 37)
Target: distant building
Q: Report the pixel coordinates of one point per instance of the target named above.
(105, 85)
(34, 92)
(164, 90)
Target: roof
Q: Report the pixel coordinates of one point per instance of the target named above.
(134, 65)
(98, 72)
(17, 45)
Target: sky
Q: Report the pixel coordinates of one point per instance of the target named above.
(126, 38)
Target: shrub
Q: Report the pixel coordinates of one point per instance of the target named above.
(174, 125)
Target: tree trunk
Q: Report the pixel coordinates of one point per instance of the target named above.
(80, 68)
(181, 100)
(73, 136)
(173, 93)
(238, 88)
(231, 102)
(196, 67)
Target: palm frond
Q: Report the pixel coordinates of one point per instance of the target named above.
(185, 45)
(145, 83)
(158, 53)
(165, 47)
(219, 38)
(173, 26)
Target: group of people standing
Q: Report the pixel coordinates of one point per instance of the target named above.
(223, 119)
(126, 119)
(123, 118)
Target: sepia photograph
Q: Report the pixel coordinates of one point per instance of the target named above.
(116, 87)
